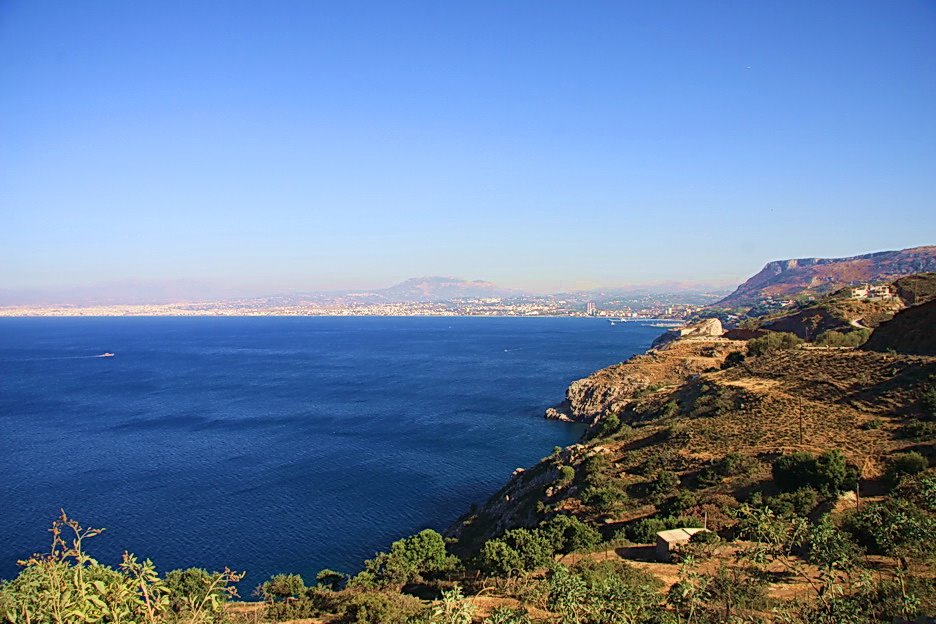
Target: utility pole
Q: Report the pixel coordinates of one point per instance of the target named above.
(800, 410)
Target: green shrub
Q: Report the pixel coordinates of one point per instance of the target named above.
(671, 408)
(834, 338)
(569, 534)
(379, 608)
(797, 503)
(603, 593)
(735, 464)
(920, 489)
(566, 475)
(919, 430)
(894, 527)
(608, 426)
(408, 560)
(773, 341)
(518, 550)
(904, 464)
(928, 403)
(188, 587)
(282, 586)
(828, 474)
(874, 423)
(662, 484)
(735, 358)
(682, 502)
(330, 579)
(498, 559)
(604, 498)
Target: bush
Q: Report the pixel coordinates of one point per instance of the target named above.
(904, 464)
(601, 491)
(682, 502)
(798, 503)
(735, 358)
(282, 586)
(518, 550)
(498, 559)
(408, 560)
(928, 403)
(330, 579)
(608, 426)
(894, 527)
(834, 338)
(919, 430)
(773, 341)
(379, 608)
(662, 485)
(735, 464)
(569, 534)
(828, 474)
(920, 489)
(605, 592)
(187, 587)
(566, 475)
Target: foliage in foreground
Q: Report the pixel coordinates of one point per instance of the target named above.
(824, 555)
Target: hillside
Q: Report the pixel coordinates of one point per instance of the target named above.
(790, 278)
(911, 331)
(802, 399)
(841, 312)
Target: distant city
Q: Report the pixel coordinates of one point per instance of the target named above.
(646, 306)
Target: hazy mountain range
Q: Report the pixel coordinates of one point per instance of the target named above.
(428, 289)
(778, 279)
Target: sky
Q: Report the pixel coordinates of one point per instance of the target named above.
(265, 147)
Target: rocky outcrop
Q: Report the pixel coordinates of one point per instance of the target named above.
(706, 328)
(514, 505)
(912, 331)
(785, 278)
(612, 389)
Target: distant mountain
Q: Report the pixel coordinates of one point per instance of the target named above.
(437, 288)
(788, 278)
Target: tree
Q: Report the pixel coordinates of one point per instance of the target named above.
(282, 587)
(569, 534)
(409, 559)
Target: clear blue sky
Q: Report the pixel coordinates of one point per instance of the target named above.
(305, 145)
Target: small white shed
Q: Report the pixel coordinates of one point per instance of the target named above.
(667, 541)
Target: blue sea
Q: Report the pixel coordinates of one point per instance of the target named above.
(276, 444)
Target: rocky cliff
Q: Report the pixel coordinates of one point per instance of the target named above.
(613, 389)
(786, 278)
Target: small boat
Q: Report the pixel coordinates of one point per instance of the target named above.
(108, 354)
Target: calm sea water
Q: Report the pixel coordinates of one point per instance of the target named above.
(275, 444)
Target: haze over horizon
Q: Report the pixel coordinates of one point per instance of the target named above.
(258, 149)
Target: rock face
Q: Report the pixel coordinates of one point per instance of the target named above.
(612, 389)
(784, 278)
(710, 327)
(912, 331)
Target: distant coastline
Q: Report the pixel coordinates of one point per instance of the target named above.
(655, 313)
